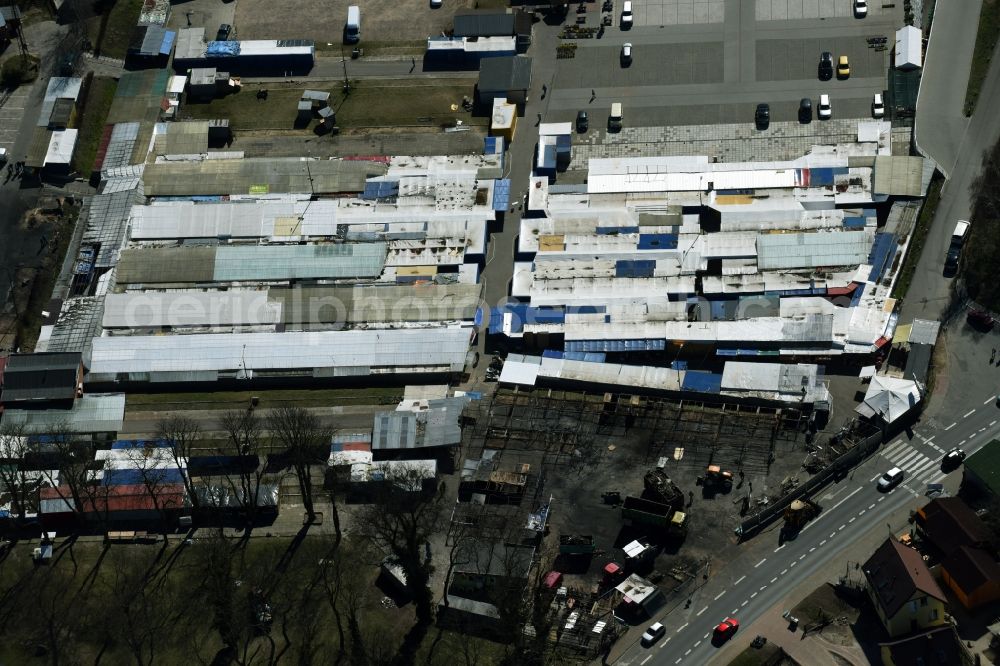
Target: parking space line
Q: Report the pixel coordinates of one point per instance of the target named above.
(969, 413)
(760, 563)
(698, 614)
(719, 595)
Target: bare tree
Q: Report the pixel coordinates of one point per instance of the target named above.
(245, 434)
(182, 433)
(400, 521)
(151, 464)
(305, 439)
(14, 475)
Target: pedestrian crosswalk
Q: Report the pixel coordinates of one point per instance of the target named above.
(918, 467)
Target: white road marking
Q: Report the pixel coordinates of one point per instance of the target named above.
(871, 506)
(802, 556)
(937, 478)
(902, 461)
(664, 643)
(678, 660)
(792, 565)
(688, 652)
(784, 571)
(841, 527)
(916, 471)
(698, 614)
(918, 462)
(704, 637)
(780, 547)
(760, 563)
(735, 610)
(950, 427)
(813, 522)
(853, 518)
(881, 498)
(862, 512)
(990, 399)
(874, 477)
(812, 549)
(969, 413)
(643, 662)
(762, 588)
(992, 423)
(745, 602)
(697, 644)
(962, 442)
(719, 595)
(929, 439)
(774, 580)
(753, 595)
(823, 542)
(833, 534)
(682, 627)
(742, 578)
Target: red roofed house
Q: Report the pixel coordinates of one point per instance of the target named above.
(903, 590)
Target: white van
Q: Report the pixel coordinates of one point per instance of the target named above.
(615, 118)
(352, 29)
(955, 246)
(627, 15)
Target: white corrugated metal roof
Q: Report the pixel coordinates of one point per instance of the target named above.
(189, 308)
(61, 147)
(363, 350)
(813, 250)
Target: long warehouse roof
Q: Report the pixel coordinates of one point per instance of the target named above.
(403, 348)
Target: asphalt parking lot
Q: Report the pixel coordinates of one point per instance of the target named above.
(676, 12)
(781, 10)
(652, 65)
(794, 59)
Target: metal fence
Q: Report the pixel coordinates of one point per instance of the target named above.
(761, 519)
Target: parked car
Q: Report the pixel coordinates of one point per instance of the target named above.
(843, 68)
(890, 479)
(952, 459)
(762, 117)
(626, 15)
(980, 319)
(436, 3)
(653, 633)
(727, 628)
(824, 111)
(626, 54)
(805, 110)
(224, 31)
(582, 122)
(825, 66)
(860, 8)
(878, 108)
(955, 247)
(615, 118)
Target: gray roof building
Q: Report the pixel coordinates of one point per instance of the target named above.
(40, 378)
(505, 73)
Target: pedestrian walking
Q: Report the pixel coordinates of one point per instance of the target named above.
(545, 89)
(993, 355)
(593, 95)
(413, 64)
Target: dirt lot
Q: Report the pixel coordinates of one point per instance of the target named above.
(589, 444)
(382, 21)
(383, 103)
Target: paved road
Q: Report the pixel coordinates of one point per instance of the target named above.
(331, 68)
(758, 580)
(941, 124)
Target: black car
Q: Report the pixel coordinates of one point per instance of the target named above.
(582, 122)
(223, 34)
(805, 110)
(763, 116)
(826, 66)
(952, 459)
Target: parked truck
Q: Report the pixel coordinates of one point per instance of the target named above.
(576, 544)
(660, 488)
(638, 511)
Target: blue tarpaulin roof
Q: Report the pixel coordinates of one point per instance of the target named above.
(223, 49)
(617, 230)
(138, 477)
(702, 382)
(167, 45)
(380, 189)
(646, 344)
(883, 250)
(501, 194)
(657, 241)
(140, 443)
(854, 222)
(628, 268)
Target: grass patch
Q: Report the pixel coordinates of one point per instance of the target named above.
(383, 103)
(919, 237)
(769, 654)
(267, 398)
(986, 41)
(100, 95)
(115, 28)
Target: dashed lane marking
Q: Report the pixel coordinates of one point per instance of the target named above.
(812, 549)
(664, 643)
(760, 563)
(989, 400)
(688, 652)
(833, 534)
(762, 588)
(969, 413)
(852, 519)
(871, 506)
(774, 580)
(682, 627)
(881, 498)
(950, 427)
(780, 547)
(697, 644)
(862, 512)
(741, 579)
(992, 423)
(745, 602)
(698, 614)
(792, 565)
(643, 662)
(874, 477)
(841, 527)
(678, 660)
(754, 595)
(823, 542)
(802, 556)
(784, 571)
(719, 595)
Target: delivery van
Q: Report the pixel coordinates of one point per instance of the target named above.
(352, 29)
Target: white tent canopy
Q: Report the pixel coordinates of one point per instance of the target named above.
(909, 48)
(889, 398)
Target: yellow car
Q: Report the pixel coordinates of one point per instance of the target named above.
(843, 68)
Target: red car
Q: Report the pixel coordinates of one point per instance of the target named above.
(727, 628)
(980, 319)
